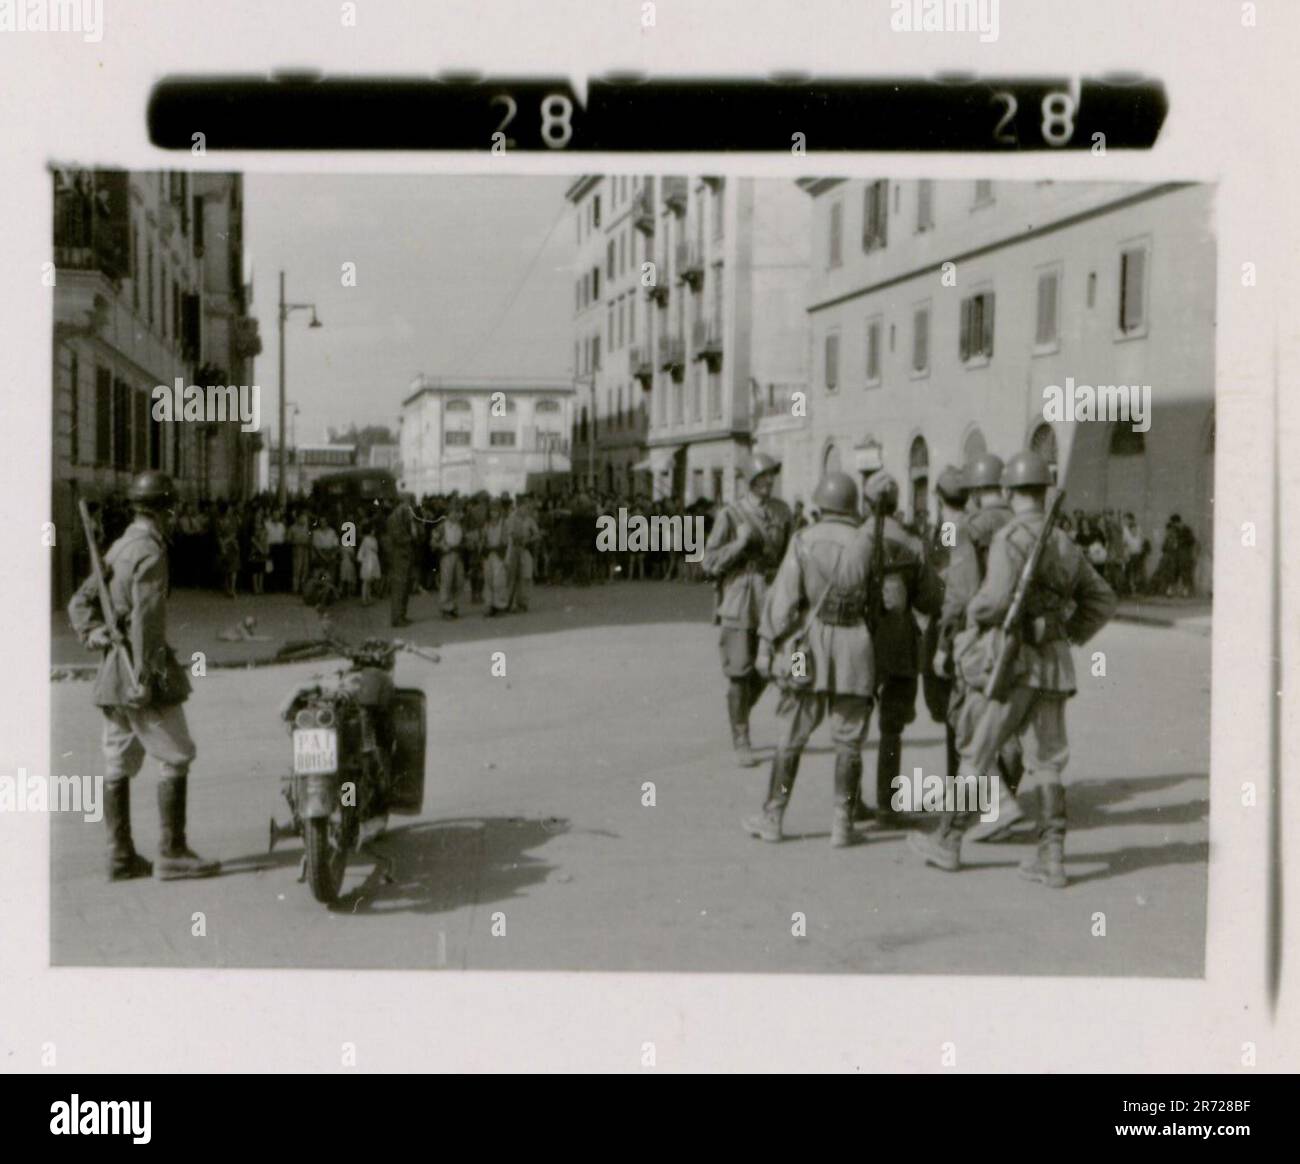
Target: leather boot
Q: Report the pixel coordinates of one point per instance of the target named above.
(1011, 763)
(889, 763)
(123, 861)
(767, 824)
(1047, 866)
(755, 685)
(848, 779)
(942, 846)
(1009, 811)
(175, 858)
(738, 713)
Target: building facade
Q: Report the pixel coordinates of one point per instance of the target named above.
(496, 434)
(688, 308)
(148, 288)
(940, 313)
(304, 465)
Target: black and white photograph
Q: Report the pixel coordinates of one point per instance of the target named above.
(734, 539)
(657, 470)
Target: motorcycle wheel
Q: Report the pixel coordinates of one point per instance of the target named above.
(329, 841)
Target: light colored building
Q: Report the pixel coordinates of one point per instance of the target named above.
(305, 464)
(688, 303)
(924, 364)
(502, 435)
(385, 457)
(148, 287)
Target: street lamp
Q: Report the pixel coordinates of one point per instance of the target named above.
(282, 492)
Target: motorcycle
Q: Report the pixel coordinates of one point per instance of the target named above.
(358, 755)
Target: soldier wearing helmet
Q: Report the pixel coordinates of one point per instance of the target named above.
(987, 512)
(140, 686)
(1068, 602)
(909, 585)
(744, 550)
(814, 626)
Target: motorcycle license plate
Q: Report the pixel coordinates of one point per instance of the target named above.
(315, 750)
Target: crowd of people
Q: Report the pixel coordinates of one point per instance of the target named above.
(332, 552)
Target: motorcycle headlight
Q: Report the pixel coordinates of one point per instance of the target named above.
(306, 718)
(325, 717)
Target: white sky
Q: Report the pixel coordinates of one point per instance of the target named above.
(437, 260)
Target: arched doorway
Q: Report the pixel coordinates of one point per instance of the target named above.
(831, 459)
(1043, 442)
(973, 446)
(918, 469)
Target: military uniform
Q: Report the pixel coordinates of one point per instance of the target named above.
(496, 583)
(451, 565)
(821, 584)
(400, 544)
(1067, 602)
(523, 533)
(743, 553)
(142, 712)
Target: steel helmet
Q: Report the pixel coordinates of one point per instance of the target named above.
(882, 489)
(1026, 470)
(984, 472)
(951, 486)
(151, 489)
(836, 493)
(758, 464)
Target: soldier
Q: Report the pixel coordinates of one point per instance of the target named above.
(140, 686)
(950, 540)
(908, 584)
(496, 585)
(988, 513)
(523, 534)
(743, 553)
(1067, 602)
(450, 535)
(402, 538)
(821, 587)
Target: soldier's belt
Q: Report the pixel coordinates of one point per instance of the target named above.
(837, 610)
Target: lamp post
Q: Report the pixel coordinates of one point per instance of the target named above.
(282, 492)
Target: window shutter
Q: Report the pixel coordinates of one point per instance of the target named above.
(920, 341)
(103, 415)
(832, 360)
(1041, 333)
(1132, 272)
(986, 347)
(873, 352)
(882, 202)
(963, 342)
(925, 206)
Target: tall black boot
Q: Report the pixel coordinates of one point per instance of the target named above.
(1048, 864)
(175, 859)
(848, 781)
(767, 824)
(738, 714)
(889, 763)
(755, 685)
(1011, 762)
(123, 861)
(953, 756)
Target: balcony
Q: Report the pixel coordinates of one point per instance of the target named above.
(706, 338)
(672, 355)
(641, 366)
(674, 190)
(92, 223)
(643, 212)
(247, 340)
(657, 293)
(690, 264)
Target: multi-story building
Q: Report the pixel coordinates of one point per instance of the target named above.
(304, 465)
(149, 288)
(940, 312)
(696, 286)
(502, 435)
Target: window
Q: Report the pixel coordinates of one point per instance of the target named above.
(679, 403)
(140, 451)
(983, 193)
(1132, 289)
(697, 410)
(595, 211)
(921, 340)
(609, 318)
(875, 215)
(456, 436)
(622, 253)
(121, 458)
(873, 352)
(595, 353)
(1046, 330)
(501, 440)
(718, 206)
(631, 318)
(595, 283)
(715, 395)
(622, 311)
(609, 259)
(832, 359)
(1092, 288)
(976, 339)
(837, 214)
(924, 205)
(547, 406)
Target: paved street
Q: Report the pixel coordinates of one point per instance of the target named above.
(533, 810)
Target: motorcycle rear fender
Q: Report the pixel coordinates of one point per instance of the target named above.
(318, 794)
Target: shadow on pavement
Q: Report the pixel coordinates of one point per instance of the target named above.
(1130, 860)
(442, 865)
(1088, 804)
